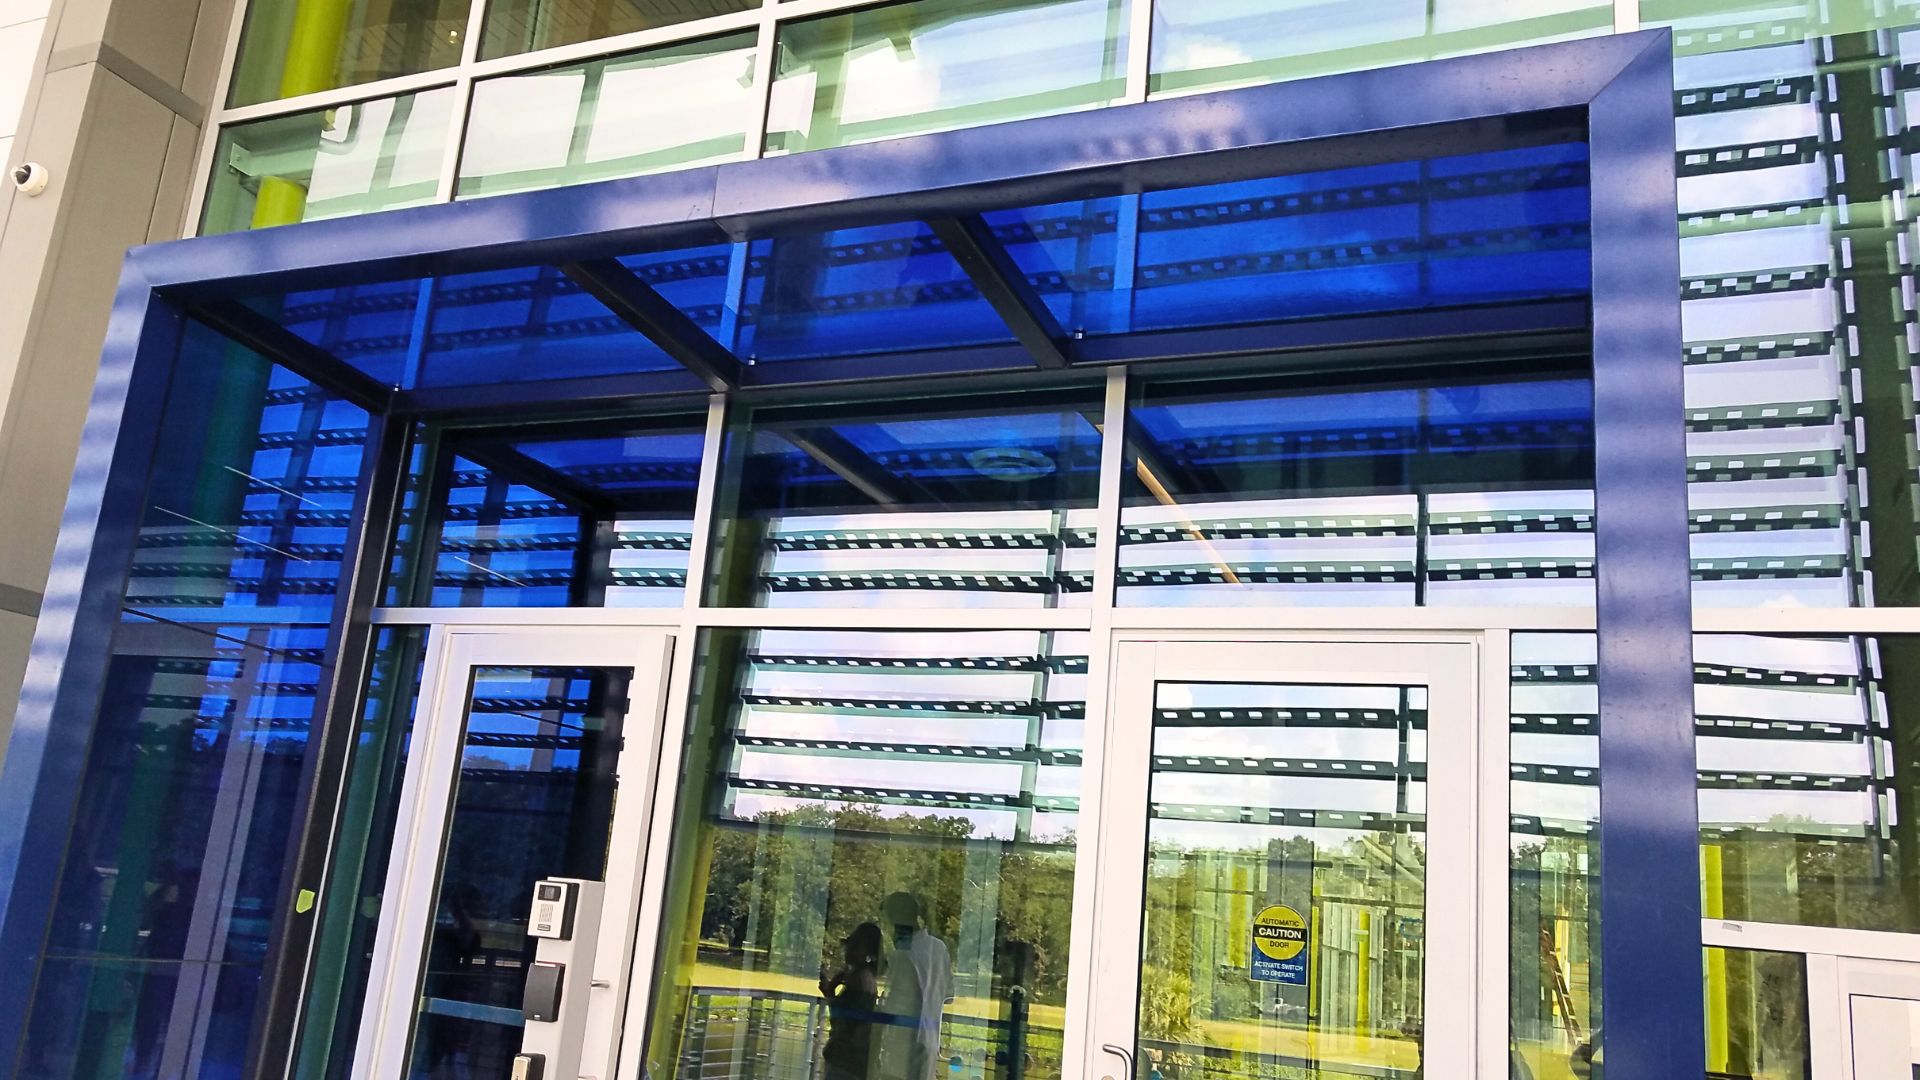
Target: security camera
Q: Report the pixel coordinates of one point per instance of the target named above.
(31, 177)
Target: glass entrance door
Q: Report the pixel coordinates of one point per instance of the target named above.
(533, 756)
(1289, 862)
(1882, 1019)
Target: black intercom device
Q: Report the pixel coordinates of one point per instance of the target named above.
(542, 1001)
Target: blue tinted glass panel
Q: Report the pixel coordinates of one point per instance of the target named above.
(695, 282)
(517, 325)
(1491, 227)
(502, 543)
(194, 770)
(1070, 254)
(1472, 492)
(579, 514)
(252, 492)
(350, 914)
(959, 503)
(189, 797)
(140, 1018)
(524, 325)
(371, 327)
(884, 288)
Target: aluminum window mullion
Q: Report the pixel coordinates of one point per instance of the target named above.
(202, 178)
(760, 105)
(1139, 50)
(342, 95)
(699, 547)
(1106, 538)
(633, 40)
(456, 142)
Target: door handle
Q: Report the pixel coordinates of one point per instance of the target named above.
(1123, 1054)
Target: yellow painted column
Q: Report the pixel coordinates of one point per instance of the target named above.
(311, 65)
(313, 46)
(1714, 907)
(1363, 976)
(278, 202)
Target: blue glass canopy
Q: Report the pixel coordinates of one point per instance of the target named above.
(1034, 285)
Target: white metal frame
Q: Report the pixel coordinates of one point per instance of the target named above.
(1462, 913)
(1491, 628)
(427, 790)
(1840, 965)
(1854, 978)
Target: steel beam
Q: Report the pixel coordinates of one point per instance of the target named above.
(1005, 286)
(250, 329)
(639, 306)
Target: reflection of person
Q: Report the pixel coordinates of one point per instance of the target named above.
(451, 955)
(851, 993)
(919, 985)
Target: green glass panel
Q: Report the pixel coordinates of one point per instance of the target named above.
(1554, 803)
(517, 26)
(1213, 44)
(1756, 1007)
(352, 159)
(875, 843)
(295, 47)
(621, 116)
(1267, 815)
(1807, 803)
(906, 69)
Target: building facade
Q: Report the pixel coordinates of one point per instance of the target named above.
(1199, 539)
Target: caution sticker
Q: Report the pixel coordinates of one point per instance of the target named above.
(1279, 952)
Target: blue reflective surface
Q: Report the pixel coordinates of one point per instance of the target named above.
(571, 515)
(970, 502)
(883, 288)
(70, 1036)
(251, 495)
(538, 751)
(1448, 232)
(517, 325)
(1069, 253)
(1488, 227)
(1462, 492)
(174, 867)
(524, 325)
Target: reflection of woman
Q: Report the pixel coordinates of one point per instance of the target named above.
(852, 993)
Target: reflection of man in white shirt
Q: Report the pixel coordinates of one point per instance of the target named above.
(919, 985)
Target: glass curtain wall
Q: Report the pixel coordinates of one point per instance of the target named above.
(174, 872)
(1794, 164)
(872, 861)
(524, 101)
